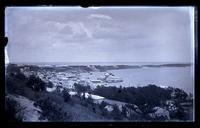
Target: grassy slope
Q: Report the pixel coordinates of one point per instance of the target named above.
(76, 111)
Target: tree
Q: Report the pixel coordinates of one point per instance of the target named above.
(81, 89)
(36, 83)
(12, 69)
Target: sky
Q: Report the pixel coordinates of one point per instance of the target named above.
(103, 34)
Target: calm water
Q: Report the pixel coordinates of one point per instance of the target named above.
(180, 77)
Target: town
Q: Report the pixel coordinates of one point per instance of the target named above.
(172, 105)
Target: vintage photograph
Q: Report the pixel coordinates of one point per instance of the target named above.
(100, 64)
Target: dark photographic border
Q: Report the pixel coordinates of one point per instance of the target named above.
(86, 3)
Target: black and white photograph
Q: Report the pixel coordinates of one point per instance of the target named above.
(100, 64)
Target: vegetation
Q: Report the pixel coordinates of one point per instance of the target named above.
(145, 99)
(90, 100)
(81, 89)
(50, 84)
(53, 104)
(116, 114)
(11, 110)
(139, 96)
(66, 95)
(52, 111)
(36, 83)
(12, 69)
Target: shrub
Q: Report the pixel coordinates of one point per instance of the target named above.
(124, 111)
(66, 95)
(14, 86)
(90, 100)
(11, 111)
(180, 95)
(104, 112)
(12, 69)
(179, 114)
(36, 83)
(50, 84)
(20, 76)
(81, 89)
(103, 104)
(52, 111)
(116, 114)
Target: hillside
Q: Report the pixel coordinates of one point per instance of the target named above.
(29, 94)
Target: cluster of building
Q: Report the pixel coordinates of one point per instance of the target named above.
(67, 79)
(63, 79)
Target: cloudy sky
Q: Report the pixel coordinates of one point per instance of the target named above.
(106, 34)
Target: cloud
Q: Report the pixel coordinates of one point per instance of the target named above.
(100, 16)
(92, 35)
(79, 28)
(73, 31)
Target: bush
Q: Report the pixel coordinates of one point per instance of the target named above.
(36, 83)
(178, 114)
(9, 84)
(52, 111)
(103, 105)
(104, 112)
(20, 76)
(116, 114)
(66, 95)
(50, 84)
(124, 111)
(11, 111)
(90, 100)
(14, 86)
(179, 95)
(81, 89)
(12, 69)
(84, 103)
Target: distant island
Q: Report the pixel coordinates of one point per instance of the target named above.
(101, 68)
